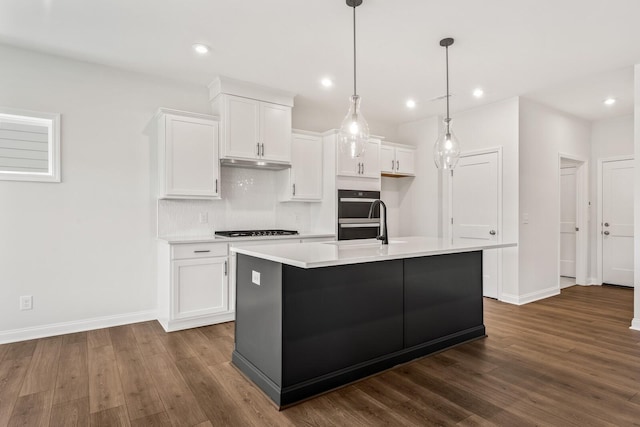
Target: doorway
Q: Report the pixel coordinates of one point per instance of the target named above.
(615, 221)
(475, 196)
(573, 219)
(568, 226)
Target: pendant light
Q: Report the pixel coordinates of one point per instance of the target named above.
(446, 150)
(354, 130)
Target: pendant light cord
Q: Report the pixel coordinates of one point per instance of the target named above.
(447, 62)
(355, 92)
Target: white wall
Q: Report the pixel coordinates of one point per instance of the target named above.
(84, 248)
(636, 205)
(544, 133)
(418, 197)
(609, 138)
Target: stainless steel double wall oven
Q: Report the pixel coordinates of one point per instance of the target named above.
(353, 215)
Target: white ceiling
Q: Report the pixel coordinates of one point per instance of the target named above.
(570, 54)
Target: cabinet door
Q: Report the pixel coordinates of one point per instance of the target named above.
(387, 159)
(371, 160)
(306, 167)
(275, 132)
(241, 119)
(200, 287)
(405, 161)
(191, 166)
(346, 165)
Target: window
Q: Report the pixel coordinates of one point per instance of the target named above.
(29, 146)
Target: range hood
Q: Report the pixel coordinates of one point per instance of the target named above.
(254, 164)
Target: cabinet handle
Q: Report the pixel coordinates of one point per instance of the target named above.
(201, 251)
(262, 154)
(258, 146)
(359, 168)
(363, 169)
(393, 164)
(225, 268)
(216, 185)
(294, 189)
(397, 165)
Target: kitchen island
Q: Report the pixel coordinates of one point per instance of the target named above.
(311, 317)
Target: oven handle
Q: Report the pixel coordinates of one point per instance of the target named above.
(367, 225)
(357, 200)
(359, 221)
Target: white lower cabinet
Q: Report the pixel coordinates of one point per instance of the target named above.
(193, 285)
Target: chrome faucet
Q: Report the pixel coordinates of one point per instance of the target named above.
(383, 220)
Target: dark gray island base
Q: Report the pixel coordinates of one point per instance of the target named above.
(302, 332)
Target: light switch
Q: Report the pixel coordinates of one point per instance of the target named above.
(255, 277)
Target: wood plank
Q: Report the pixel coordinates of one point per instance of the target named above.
(139, 390)
(19, 350)
(112, 417)
(122, 338)
(98, 338)
(72, 382)
(4, 348)
(12, 373)
(176, 345)
(32, 410)
(78, 337)
(160, 419)
(72, 413)
(179, 402)
(147, 339)
(218, 406)
(43, 369)
(105, 388)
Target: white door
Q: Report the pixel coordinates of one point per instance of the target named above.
(200, 287)
(275, 132)
(242, 129)
(617, 222)
(568, 222)
(306, 167)
(387, 159)
(474, 203)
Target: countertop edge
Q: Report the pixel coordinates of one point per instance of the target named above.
(176, 240)
(255, 251)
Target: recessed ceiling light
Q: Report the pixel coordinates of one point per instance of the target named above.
(411, 103)
(326, 82)
(200, 48)
(478, 92)
(609, 101)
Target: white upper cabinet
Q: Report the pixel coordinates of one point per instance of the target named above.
(188, 162)
(255, 122)
(397, 160)
(303, 182)
(365, 166)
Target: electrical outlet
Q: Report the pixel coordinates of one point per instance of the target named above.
(204, 217)
(26, 302)
(255, 277)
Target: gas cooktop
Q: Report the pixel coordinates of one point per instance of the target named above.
(256, 233)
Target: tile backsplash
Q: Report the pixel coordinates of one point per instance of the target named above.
(249, 201)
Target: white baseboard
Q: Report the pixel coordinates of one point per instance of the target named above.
(75, 326)
(635, 324)
(591, 281)
(530, 297)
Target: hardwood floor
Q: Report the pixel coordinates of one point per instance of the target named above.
(567, 360)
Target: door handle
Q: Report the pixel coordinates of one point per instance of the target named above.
(492, 232)
(606, 224)
(258, 147)
(606, 233)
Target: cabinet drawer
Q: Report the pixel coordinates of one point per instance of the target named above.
(198, 250)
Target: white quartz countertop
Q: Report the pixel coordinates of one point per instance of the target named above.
(324, 254)
(215, 239)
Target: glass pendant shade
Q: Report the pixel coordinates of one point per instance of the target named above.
(354, 130)
(446, 151)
